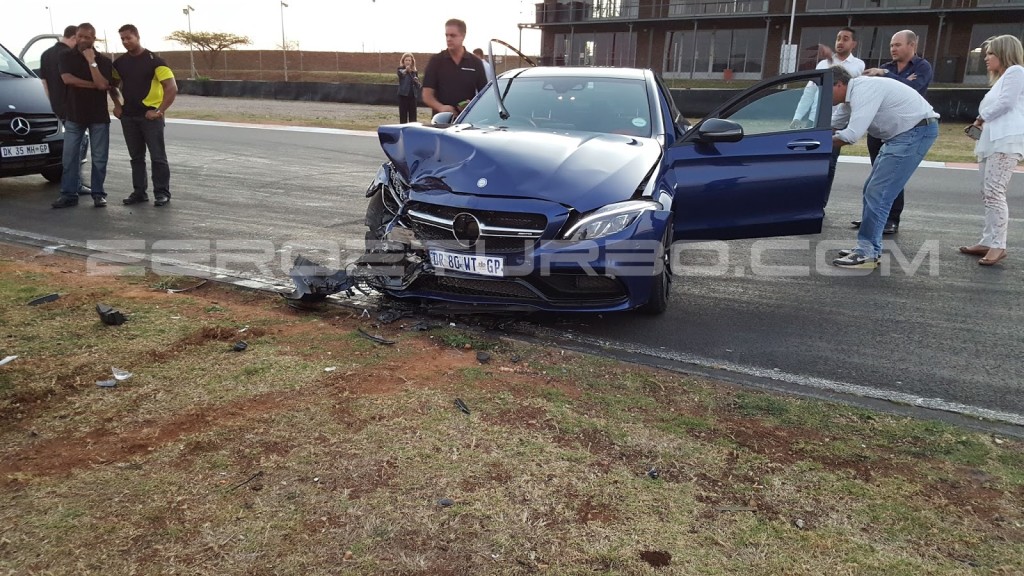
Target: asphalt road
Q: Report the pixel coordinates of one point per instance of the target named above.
(936, 330)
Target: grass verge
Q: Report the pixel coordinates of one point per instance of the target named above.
(316, 451)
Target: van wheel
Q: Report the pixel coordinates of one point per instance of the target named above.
(53, 174)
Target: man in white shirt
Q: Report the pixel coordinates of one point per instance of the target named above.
(807, 110)
(907, 126)
(479, 53)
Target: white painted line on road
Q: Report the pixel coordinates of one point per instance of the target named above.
(309, 129)
(806, 381)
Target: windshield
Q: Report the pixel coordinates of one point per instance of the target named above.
(9, 66)
(609, 105)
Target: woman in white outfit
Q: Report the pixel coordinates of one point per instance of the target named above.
(1001, 143)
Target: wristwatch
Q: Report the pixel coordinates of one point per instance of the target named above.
(94, 65)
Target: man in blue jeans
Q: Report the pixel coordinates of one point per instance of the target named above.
(149, 90)
(907, 126)
(87, 76)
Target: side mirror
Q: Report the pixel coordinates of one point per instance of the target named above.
(718, 130)
(442, 118)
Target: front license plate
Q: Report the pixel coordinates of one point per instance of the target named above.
(26, 150)
(472, 263)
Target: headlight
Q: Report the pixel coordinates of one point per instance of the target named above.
(609, 220)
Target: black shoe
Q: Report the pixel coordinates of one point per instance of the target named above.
(65, 202)
(99, 202)
(161, 200)
(135, 199)
(856, 223)
(84, 190)
(891, 227)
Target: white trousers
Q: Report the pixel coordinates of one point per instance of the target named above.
(996, 171)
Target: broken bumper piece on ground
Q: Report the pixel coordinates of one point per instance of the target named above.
(314, 283)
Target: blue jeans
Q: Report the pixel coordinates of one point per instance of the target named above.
(896, 162)
(99, 137)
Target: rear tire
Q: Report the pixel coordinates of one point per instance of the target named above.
(53, 174)
(662, 285)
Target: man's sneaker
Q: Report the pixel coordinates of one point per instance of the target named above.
(65, 202)
(84, 190)
(161, 200)
(890, 227)
(135, 199)
(855, 223)
(846, 252)
(99, 202)
(856, 260)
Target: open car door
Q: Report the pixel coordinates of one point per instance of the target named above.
(748, 171)
(32, 53)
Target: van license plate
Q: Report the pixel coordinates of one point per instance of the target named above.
(26, 150)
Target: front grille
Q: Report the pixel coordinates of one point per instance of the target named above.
(40, 126)
(572, 285)
(445, 240)
(488, 217)
(474, 287)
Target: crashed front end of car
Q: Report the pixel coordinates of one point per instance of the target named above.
(525, 220)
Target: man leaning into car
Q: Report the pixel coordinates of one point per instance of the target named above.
(907, 126)
(453, 76)
(87, 75)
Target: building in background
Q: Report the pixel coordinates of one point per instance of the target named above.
(744, 39)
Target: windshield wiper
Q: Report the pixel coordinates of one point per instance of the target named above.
(502, 111)
(12, 74)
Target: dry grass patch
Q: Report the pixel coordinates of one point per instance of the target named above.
(316, 451)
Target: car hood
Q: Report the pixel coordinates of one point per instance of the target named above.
(23, 95)
(583, 170)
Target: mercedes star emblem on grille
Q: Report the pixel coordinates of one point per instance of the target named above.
(20, 126)
(466, 229)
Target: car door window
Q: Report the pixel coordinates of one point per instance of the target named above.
(773, 109)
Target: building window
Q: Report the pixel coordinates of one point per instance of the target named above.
(976, 73)
(709, 53)
(834, 5)
(691, 7)
(614, 9)
(595, 49)
(872, 44)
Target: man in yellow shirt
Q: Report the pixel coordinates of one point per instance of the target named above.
(148, 87)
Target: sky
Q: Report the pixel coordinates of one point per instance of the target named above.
(328, 25)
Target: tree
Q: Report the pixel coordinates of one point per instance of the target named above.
(209, 44)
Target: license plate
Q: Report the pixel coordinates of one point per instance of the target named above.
(26, 150)
(472, 263)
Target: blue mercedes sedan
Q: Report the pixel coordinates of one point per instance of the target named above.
(563, 189)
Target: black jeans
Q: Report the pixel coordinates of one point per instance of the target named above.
(407, 109)
(874, 145)
(139, 135)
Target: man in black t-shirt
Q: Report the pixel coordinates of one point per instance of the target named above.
(56, 91)
(453, 75)
(148, 86)
(87, 76)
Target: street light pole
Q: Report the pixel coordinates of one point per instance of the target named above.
(284, 45)
(188, 10)
(50, 12)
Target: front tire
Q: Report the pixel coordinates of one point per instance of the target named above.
(662, 286)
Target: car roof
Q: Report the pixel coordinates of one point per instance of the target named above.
(578, 72)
